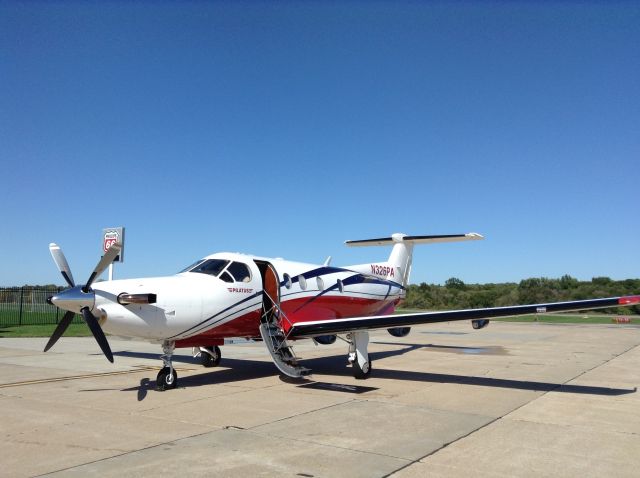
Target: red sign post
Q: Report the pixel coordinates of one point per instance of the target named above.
(110, 236)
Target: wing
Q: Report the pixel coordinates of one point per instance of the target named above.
(337, 326)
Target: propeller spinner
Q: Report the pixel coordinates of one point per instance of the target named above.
(80, 299)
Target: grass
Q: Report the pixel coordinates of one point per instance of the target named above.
(9, 315)
(74, 330)
(81, 330)
(570, 319)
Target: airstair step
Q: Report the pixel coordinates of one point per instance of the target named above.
(281, 352)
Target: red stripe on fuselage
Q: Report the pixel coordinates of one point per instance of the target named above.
(297, 310)
(334, 307)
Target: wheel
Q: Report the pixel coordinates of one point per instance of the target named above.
(207, 360)
(167, 379)
(326, 339)
(361, 373)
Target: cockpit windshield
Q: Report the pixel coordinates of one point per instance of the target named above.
(212, 267)
(191, 266)
(223, 269)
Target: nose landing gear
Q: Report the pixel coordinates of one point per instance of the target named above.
(167, 378)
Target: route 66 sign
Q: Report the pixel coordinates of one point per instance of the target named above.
(110, 236)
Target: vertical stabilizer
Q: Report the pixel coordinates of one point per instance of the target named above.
(401, 257)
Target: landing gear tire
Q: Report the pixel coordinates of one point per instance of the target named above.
(361, 373)
(211, 359)
(167, 379)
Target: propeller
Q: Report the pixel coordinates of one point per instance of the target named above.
(80, 299)
(62, 326)
(97, 332)
(61, 262)
(105, 262)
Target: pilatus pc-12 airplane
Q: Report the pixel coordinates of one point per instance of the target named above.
(227, 295)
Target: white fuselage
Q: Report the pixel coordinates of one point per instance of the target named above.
(199, 308)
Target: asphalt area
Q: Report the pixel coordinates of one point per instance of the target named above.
(509, 400)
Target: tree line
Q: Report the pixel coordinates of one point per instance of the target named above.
(455, 294)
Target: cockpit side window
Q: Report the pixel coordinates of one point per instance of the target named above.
(239, 271)
(210, 266)
(225, 276)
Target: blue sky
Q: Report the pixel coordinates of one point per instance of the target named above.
(284, 128)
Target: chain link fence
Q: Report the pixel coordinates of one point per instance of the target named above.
(28, 306)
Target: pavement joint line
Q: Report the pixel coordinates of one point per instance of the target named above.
(195, 400)
(237, 392)
(68, 445)
(302, 414)
(510, 412)
(435, 409)
(257, 432)
(225, 428)
(128, 452)
(328, 445)
(571, 426)
(249, 430)
(80, 377)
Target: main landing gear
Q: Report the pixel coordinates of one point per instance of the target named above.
(358, 355)
(210, 356)
(167, 378)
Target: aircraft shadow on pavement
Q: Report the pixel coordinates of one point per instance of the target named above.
(236, 370)
(144, 355)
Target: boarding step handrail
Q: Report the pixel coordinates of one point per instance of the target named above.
(267, 314)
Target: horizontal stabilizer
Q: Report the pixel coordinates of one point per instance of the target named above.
(399, 238)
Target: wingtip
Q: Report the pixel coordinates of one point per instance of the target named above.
(629, 300)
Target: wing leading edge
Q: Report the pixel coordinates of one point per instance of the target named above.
(337, 326)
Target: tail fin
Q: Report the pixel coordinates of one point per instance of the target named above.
(402, 252)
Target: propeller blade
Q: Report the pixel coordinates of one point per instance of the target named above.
(106, 260)
(62, 326)
(61, 262)
(97, 332)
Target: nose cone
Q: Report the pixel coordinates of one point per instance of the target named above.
(74, 299)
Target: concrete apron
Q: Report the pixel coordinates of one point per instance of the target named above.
(508, 400)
